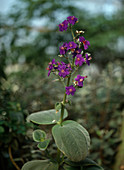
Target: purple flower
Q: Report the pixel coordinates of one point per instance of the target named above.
(63, 26)
(76, 51)
(79, 80)
(88, 59)
(85, 42)
(50, 68)
(79, 60)
(64, 70)
(72, 19)
(71, 45)
(62, 49)
(70, 90)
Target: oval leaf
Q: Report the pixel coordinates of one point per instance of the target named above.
(86, 164)
(46, 117)
(39, 135)
(40, 165)
(72, 139)
(43, 145)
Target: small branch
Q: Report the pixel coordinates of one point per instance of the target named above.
(61, 81)
(72, 33)
(11, 158)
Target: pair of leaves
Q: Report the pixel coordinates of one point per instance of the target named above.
(46, 117)
(40, 136)
(72, 140)
(40, 165)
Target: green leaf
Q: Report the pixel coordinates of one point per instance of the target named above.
(40, 165)
(86, 164)
(39, 135)
(43, 145)
(46, 117)
(67, 167)
(72, 139)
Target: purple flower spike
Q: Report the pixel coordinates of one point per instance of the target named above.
(85, 42)
(62, 49)
(72, 19)
(63, 26)
(79, 60)
(79, 80)
(71, 45)
(70, 90)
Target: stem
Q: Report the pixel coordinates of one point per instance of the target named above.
(74, 42)
(75, 71)
(11, 158)
(61, 81)
(72, 34)
(63, 103)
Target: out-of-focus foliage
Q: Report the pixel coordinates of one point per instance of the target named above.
(12, 129)
(24, 51)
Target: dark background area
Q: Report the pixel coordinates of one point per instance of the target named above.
(29, 39)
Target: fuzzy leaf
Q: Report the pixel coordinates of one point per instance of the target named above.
(39, 135)
(46, 117)
(72, 139)
(43, 145)
(40, 165)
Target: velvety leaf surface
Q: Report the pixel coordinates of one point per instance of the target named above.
(46, 117)
(43, 145)
(86, 164)
(40, 165)
(39, 135)
(72, 139)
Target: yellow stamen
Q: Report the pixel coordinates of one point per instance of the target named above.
(62, 71)
(81, 80)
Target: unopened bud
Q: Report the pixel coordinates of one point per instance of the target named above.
(75, 82)
(79, 32)
(60, 55)
(82, 52)
(88, 54)
(90, 58)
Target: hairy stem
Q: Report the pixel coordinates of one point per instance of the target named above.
(11, 158)
(63, 103)
(72, 34)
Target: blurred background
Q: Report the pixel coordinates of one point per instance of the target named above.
(29, 39)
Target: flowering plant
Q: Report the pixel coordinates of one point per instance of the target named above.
(72, 139)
